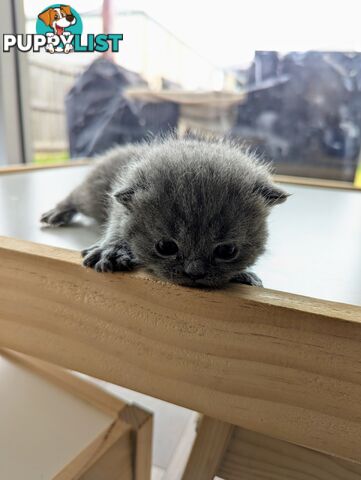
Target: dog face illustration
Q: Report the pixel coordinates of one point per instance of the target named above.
(58, 18)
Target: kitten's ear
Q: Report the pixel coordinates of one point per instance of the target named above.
(271, 194)
(125, 196)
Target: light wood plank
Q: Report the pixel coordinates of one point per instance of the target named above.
(275, 363)
(316, 182)
(251, 456)
(29, 167)
(93, 453)
(142, 427)
(123, 451)
(209, 447)
(143, 450)
(115, 464)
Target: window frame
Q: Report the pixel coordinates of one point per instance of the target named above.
(15, 132)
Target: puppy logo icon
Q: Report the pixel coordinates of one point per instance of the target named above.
(59, 23)
(59, 29)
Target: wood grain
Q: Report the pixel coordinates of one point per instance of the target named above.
(115, 464)
(251, 456)
(118, 431)
(123, 451)
(278, 364)
(22, 168)
(316, 182)
(208, 450)
(141, 422)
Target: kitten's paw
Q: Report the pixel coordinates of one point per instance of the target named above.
(247, 278)
(57, 217)
(109, 258)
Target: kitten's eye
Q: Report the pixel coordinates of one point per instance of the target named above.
(166, 248)
(225, 251)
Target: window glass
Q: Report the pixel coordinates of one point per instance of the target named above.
(282, 77)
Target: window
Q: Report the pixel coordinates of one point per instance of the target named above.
(282, 77)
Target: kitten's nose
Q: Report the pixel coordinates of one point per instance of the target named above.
(195, 270)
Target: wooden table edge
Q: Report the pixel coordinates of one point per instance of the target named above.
(273, 362)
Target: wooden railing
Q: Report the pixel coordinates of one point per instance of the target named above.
(278, 364)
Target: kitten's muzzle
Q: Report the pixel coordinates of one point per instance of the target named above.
(195, 270)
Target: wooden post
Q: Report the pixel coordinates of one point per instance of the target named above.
(208, 450)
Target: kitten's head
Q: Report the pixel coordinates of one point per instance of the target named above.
(195, 211)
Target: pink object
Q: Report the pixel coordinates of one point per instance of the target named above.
(108, 16)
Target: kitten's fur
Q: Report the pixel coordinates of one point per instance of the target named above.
(198, 193)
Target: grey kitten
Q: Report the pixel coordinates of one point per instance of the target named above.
(191, 211)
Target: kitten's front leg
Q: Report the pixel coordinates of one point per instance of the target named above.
(114, 256)
(112, 253)
(247, 278)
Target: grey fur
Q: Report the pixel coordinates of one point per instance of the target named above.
(198, 193)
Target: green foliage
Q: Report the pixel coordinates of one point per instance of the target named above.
(46, 158)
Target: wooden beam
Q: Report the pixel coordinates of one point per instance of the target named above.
(20, 168)
(115, 464)
(142, 426)
(96, 455)
(278, 364)
(123, 450)
(316, 182)
(210, 445)
(251, 456)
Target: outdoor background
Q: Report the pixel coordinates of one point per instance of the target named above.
(284, 77)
